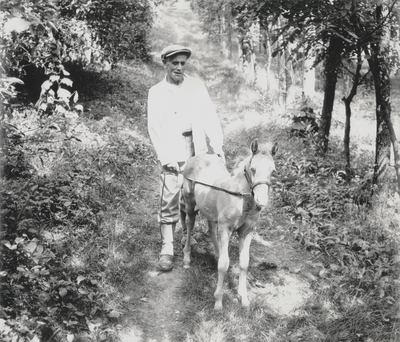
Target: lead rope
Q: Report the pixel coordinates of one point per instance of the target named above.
(236, 193)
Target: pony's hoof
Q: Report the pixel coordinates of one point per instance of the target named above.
(218, 307)
(246, 306)
(186, 265)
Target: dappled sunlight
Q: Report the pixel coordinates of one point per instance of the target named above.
(168, 28)
(212, 331)
(76, 262)
(134, 334)
(285, 294)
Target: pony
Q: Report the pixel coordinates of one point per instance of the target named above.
(229, 202)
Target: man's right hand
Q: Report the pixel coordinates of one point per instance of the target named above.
(173, 167)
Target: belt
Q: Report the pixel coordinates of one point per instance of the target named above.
(187, 134)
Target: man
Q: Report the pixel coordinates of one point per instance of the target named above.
(180, 116)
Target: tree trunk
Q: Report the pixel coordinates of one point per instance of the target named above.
(229, 31)
(346, 140)
(332, 65)
(271, 79)
(308, 78)
(226, 30)
(347, 102)
(223, 31)
(385, 133)
(281, 69)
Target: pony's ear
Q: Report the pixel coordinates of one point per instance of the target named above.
(254, 146)
(274, 148)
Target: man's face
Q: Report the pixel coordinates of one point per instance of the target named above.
(175, 66)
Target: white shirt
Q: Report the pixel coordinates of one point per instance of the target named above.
(173, 110)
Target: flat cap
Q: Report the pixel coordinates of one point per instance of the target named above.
(172, 50)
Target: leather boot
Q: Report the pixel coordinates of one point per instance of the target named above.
(165, 262)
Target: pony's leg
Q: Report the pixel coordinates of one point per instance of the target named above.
(213, 227)
(223, 263)
(191, 216)
(244, 249)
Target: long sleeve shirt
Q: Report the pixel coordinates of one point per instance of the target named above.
(175, 109)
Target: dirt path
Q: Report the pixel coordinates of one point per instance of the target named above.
(157, 316)
(160, 314)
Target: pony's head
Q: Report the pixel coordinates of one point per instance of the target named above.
(258, 171)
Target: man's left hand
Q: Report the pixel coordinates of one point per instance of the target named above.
(222, 156)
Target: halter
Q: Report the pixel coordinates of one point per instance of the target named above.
(247, 174)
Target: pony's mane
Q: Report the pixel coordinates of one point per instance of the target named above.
(239, 166)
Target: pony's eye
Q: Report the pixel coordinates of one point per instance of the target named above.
(253, 169)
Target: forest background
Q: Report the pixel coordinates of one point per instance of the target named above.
(79, 190)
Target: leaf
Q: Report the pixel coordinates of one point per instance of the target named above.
(63, 94)
(6, 243)
(317, 211)
(302, 211)
(19, 240)
(114, 314)
(55, 126)
(35, 339)
(75, 98)
(31, 246)
(80, 279)
(323, 273)
(62, 291)
(46, 85)
(334, 267)
(66, 81)
(54, 78)
(52, 25)
(61, 109)
(92, 326)
(11, 80)
(39, 250)
(82, 291)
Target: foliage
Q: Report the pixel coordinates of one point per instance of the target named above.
(120, 27)
(355, 243)
(40, 38)
(210, 14)
(56, 262)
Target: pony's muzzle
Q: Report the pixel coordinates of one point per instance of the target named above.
(261, 195)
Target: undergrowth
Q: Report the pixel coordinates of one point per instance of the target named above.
(63, 249)
(353, 233)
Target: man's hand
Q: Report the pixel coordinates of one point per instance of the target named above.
(173, 167)
(222, 156)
